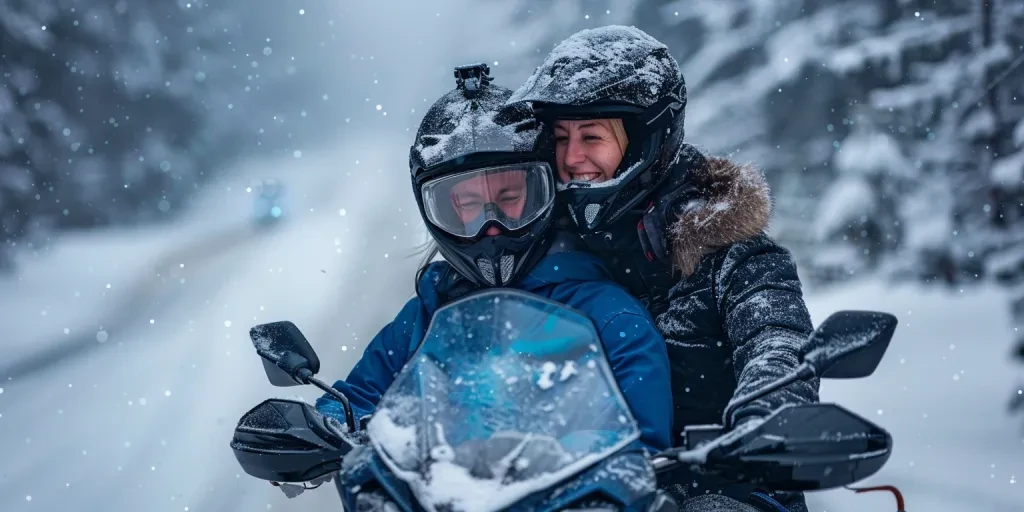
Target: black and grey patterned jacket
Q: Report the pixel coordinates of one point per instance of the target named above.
(736, 319)
(730, 307)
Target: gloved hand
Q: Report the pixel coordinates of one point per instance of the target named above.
(341, 430)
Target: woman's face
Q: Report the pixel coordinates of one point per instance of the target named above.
(586, 150)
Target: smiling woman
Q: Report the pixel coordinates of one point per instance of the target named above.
(683, 231)
(589, 149)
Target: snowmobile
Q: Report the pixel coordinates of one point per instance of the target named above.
(509, 403)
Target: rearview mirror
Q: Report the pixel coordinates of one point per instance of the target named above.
(288, 359)
(849, 344)
(809, 447)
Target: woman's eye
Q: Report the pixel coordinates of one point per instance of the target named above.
(511, 199)
(561, 139)
(591, 137)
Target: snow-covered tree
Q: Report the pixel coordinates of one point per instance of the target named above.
(859, 218)
(104, 111)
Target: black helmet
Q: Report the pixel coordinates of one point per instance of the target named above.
(613, 72)
(475, 164)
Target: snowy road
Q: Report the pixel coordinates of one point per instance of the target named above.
(142, 420)
(148, 294)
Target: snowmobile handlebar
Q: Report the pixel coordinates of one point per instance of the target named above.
(796, 448)
(805, 447)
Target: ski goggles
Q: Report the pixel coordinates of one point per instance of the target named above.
(512, 196)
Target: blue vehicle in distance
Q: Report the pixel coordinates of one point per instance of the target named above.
(268, 205)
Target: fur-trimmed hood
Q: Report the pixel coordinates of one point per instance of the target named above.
(734, 204)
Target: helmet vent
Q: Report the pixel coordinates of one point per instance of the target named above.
(508, 263)
(590, 213)
(486, 269)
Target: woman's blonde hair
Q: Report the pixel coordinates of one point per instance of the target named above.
(619, 130)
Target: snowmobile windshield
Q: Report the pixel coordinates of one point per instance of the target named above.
(508, 394)
(512, 195)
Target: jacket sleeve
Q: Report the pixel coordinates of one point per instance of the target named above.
(766, 321)
(639, 361)
(376, 370)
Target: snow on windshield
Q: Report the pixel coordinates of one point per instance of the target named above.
(508, 394)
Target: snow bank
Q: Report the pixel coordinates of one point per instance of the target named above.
(943, 391)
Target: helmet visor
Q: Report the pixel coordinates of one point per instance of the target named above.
(512, 196)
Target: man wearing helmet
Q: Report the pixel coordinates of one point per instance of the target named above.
(683, 231)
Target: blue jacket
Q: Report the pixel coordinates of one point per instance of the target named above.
(635, 349)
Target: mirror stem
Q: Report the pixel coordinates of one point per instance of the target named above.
(307, 377)
(803, 372)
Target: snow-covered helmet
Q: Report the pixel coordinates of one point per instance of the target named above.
(477, 163)
(613, 72)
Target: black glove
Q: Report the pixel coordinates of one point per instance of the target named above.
(341, 430)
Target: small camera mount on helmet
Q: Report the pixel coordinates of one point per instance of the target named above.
(472, 78)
